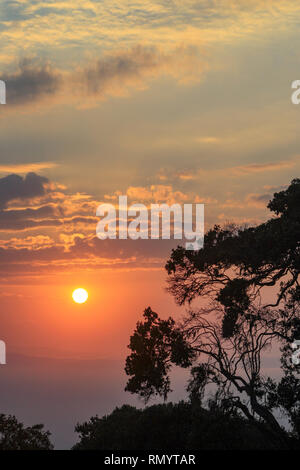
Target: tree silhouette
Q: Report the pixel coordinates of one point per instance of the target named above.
(225, 339)
(155, 345)
(169, 426)
(15, 436)
(236, 264)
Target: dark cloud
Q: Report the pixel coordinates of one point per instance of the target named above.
(50, 212)
(94, 252)
(22, 219)
(111, 75)
(13, 11)
(122, 66)
(30, 82)
(260, 199)
(46, 11)
(11, 220)
(133, 66)
(18, 187)
(122, 249)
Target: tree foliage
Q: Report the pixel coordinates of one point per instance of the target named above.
(155, 345)
(224, 341)
(235, 264)
(170, 426)
(15, 436)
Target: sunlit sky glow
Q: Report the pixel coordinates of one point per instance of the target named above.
(165, 101)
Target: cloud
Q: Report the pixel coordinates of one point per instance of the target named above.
(21, 219)
(235, 171)
(16, 187)
(31, 242)
(87, 252)
(108, 23)
(114, 74)
(70, 240)
(56, 228)
(30, 82)
(26, 167)
(33, 202)
(262, 167)
(275, 189)
(13, 11)
(259, 200)
(207, 140)
(155, 193)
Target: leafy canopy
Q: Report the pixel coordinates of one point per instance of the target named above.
(236, 264)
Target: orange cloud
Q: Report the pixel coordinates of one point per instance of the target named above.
(27, 167)
(235, 171)
(262, 167)
(158, 193)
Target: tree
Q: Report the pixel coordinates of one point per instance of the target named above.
(232, 365)
(169, 426)
(15, 436)
(236, 264)
(225, 339)
(155, 345)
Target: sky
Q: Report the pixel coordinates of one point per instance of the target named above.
(162, 101)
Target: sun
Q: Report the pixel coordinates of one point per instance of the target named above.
(80, 296)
